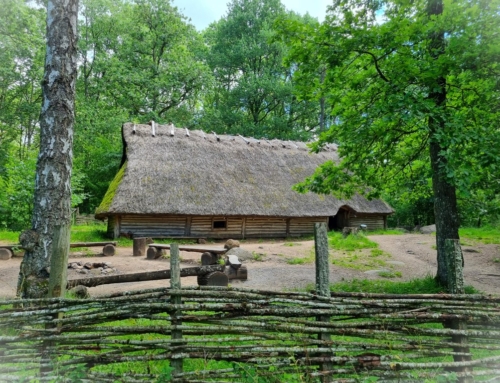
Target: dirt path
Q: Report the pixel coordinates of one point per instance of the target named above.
(405, 257)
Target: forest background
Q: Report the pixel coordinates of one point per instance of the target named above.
(142, 60)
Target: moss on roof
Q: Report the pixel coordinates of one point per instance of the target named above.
(110, 194)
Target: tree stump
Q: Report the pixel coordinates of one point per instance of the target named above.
(349, 230)
(233, 261)
(216, 278)
(242, 273)
(155, 253)
(139, 249)
(230, 272)
(5, 254)
(109, 250)
(209, 259)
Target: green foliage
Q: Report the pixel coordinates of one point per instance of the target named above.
(253, 91)
(141, 61)
(413, 87)
(18, 189)
(22, 33)
(380, 73)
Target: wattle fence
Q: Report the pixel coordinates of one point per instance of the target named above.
(215, 334)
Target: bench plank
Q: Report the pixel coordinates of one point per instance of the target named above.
(11, 247)
(192, 248)
(91, 244)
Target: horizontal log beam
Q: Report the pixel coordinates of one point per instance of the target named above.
(195, 249)
(11, 247)
(144, 276)
(91, 244)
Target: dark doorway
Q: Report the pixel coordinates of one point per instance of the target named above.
(339, 220)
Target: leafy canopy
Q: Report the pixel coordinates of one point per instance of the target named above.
(380, 70)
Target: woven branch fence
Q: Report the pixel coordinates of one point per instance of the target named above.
(220, 334)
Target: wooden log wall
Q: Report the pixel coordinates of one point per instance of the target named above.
(373, 221)
(153, 225)
(196, 227)
(202, 227)
(304, 226)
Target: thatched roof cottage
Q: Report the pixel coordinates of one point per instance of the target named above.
(179, 183)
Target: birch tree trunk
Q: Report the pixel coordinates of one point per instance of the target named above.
(52, 207)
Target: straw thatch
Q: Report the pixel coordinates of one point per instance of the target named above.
(180, 172)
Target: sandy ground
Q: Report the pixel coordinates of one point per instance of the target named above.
(407, 256)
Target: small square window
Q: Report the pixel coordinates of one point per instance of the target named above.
(219, 224)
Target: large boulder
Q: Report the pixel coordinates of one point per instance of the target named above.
(231, 243)
(242, 254)
(428, 229)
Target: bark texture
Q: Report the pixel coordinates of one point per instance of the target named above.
(445, 199)
(53, 174)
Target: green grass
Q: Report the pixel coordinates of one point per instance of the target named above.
(356, 252)
(259, 257)
(390, 274)
(427, 285)
(298, 261)
(9, 236)
(350, 243)
(386, 232)
(487, 234)
(362, 260)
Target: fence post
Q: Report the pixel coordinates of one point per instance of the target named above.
(175, 284)
(454, 260)
(322, 283)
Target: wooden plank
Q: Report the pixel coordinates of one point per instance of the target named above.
(11, 247)
(91, 244)
(193, 248)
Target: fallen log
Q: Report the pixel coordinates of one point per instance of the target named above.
(144, 276)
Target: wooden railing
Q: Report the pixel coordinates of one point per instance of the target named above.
(217, 334)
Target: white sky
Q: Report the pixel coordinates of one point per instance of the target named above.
(203, 12)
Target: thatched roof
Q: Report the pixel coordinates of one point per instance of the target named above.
(194, 173)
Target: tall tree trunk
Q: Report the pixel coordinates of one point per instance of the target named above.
(52, 207)
(322, 116)
(445, 200)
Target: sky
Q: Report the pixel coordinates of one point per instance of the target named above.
(203, 12)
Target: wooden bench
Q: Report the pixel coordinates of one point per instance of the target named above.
(210, 255)
(7, 251)
(108, 248)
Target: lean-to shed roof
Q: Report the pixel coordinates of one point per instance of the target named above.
(177, 171)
